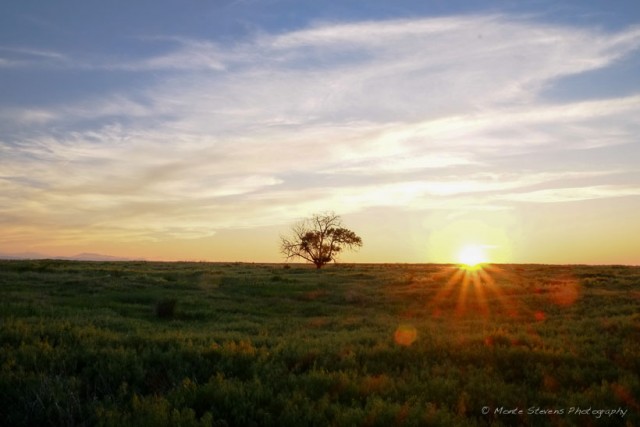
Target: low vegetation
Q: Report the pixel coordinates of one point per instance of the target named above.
(199, 344)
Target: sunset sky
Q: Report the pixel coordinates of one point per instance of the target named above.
(201, 130)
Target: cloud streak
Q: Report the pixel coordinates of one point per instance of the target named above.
(21, 57)
(573, 194)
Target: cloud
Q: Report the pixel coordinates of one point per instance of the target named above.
(573, 194)
(27, 116)
(189, 55)
(403, 113)
(11, 56)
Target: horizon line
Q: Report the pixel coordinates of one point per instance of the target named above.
(387, 263)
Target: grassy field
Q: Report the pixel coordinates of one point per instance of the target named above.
(200, 344)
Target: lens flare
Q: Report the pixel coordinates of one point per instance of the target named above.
(405, 335)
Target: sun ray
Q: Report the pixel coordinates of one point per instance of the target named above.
(479, 292)
(473, 290)
(461, 307)
(446, 291)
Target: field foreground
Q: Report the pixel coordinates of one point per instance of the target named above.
(141, 343)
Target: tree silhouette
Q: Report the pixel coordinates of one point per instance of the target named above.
(319, 239)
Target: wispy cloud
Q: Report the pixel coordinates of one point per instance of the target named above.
(27, 116)
(183, 54)
(16, 56)
(573, 194)
(405, 113)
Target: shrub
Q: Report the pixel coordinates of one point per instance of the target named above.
(165, 309)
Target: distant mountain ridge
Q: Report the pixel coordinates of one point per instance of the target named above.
(85, 256)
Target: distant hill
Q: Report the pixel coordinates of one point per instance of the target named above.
(23, 255)
(85, 256)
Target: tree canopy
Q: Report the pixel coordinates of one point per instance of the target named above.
(319, 239)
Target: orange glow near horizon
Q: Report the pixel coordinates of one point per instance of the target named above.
(437, 240)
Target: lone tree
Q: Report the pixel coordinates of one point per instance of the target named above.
(319, 239)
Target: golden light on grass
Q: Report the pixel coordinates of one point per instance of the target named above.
(472, 290)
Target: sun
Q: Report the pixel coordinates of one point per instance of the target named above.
(471, 256)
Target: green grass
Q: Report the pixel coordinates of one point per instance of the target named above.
(85, 343)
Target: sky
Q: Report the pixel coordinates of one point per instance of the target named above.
(202, 130)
